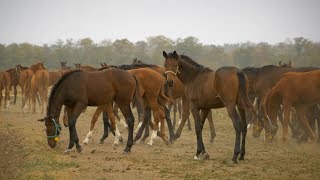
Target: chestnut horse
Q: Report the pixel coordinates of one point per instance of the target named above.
(25, 82)
(300, 90)
(5, 83)
(77, 90)
(151, 91)
(207, 89)
(39, 85)
(14, 76)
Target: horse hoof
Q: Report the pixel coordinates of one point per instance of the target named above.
(67, 151)
(241, 158)
(234, 160)
(149, 143)
(85, 143)
(79, 149)
(100, 142)
(211, 140)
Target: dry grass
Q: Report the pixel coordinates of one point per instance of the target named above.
(24, 153)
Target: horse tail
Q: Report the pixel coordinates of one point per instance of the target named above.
(137, 100)
(163, 97)
(243, 98)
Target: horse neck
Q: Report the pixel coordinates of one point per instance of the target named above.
(188, 72)
(54, 106)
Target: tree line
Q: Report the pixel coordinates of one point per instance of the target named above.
(301, 51)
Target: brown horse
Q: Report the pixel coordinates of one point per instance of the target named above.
(64, 66)
(39, 85)
(14, 76)
(85, 67)
(260, 81)
(151, 91)
(5, 83)
(207, 89)
(25, 82)
(54, 76)
(79, 89)
(298, 90)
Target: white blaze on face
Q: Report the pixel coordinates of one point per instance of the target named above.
(89, 135)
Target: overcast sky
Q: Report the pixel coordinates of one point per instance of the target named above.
(213, 22)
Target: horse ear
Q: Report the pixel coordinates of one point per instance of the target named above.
(41, 120)
(165, 55)
(175, 55)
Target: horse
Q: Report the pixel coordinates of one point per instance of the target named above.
(14, 76)
(151, 91)
(54, 76)
(77, 90)
(39, 85)
(260, 81)
(5, 83)
(207, 89)
(64, 66)
(85, 67)
(290, 92)
(25, 83)
(313, 115)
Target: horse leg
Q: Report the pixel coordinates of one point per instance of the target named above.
(301, 112)
(116, 113)
(143, 124)
(185, 116)
(198, 121)
(168, 120)
(242, 113)
(1, 96)
(127, 113)
(106, 127)
(286, 112)
(76, 111)
(232, 112)
(93, 122)
(174, 115)
(146, 130)
(212, 129)
(33, 97)
(158, 116)
(114, 127)
(15, 94)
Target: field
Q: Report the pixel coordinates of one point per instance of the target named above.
(24, 153)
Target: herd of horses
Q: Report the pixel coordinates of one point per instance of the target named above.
(252, 96)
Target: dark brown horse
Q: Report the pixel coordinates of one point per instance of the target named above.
(299, 90)
(77, 90)
(5, 84)
(207, 89)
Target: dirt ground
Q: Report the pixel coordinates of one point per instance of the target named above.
(25, 154)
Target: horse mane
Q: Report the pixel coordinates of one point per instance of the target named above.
(130, 66)
(57, 85)
(191, 61)
(136, 66)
